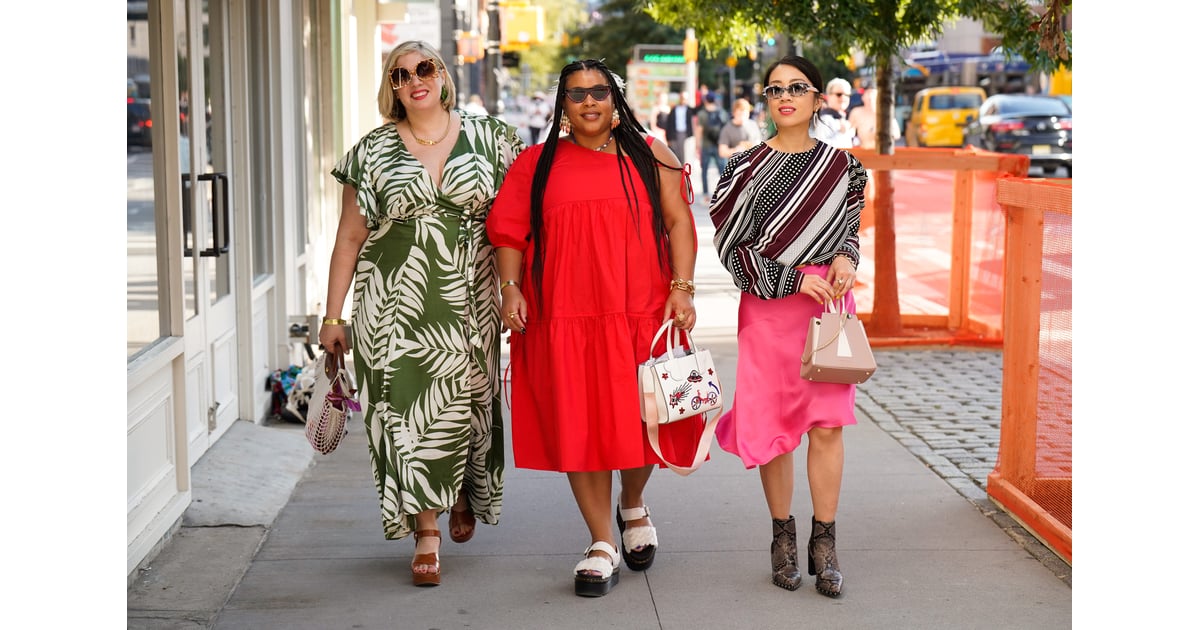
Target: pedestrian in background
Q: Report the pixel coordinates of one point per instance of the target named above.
(862, 121)
(834, 122)
(658, 116)
(475, 105)
(539, 116)
(740, 133)
(712, 119)
(416, 191)
(596, 249)
(786, 214)
(679, 125)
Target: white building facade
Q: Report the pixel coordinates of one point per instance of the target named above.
(237, 112)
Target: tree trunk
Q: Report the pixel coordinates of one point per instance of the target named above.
(885, 314)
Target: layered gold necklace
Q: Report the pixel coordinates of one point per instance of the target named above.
(429, 143)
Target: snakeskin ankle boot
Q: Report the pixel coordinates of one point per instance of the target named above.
(822, 558)
(784, 570)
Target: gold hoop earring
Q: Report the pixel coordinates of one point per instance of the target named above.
(564, 125)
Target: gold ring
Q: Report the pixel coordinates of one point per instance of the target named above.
(512, 315)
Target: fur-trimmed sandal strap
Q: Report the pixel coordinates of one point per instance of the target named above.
(640, 536)
(636, 537)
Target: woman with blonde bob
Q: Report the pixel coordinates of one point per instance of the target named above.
(416, 192)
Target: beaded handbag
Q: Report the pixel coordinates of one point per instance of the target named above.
(332, 401)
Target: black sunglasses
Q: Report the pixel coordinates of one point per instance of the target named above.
(426, 69)
(579, 95)
(796, 90)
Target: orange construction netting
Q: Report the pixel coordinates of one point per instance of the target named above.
(1033, 479)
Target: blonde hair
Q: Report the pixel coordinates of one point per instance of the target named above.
(838, 82)
(390, 107)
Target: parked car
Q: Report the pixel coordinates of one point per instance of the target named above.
(1033, 125)
(139, 121)
(939, 115)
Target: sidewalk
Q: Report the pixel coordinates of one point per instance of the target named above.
(919, 542)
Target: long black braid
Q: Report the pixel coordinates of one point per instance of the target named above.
(630, 141)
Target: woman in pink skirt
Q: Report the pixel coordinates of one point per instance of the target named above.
(787, 215)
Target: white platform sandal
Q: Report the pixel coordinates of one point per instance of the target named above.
(587, 585)
(644, 536)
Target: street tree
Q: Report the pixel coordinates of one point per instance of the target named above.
(614, 27)
(612, 31)
(881, 30)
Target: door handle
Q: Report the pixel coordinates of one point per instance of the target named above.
(219, 194)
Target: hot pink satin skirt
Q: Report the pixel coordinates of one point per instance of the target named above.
(772, 406)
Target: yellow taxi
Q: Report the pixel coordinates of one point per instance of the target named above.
(939, 115)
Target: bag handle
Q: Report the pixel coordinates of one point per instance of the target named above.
(672, 339)
(841, 317)
(341, 389)
(338, 363)
(702, 449)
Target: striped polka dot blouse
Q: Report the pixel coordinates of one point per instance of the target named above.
(777, 211)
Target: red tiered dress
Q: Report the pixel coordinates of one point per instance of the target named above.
(575, 398)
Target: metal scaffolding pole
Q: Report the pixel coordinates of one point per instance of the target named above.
(491, 87)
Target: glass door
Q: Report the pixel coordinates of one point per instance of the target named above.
(208, 265)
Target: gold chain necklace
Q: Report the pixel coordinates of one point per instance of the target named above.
(600, 148)
(429, 143)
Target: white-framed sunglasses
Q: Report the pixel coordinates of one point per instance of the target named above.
(795, 90)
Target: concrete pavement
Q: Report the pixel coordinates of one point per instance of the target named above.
(279, 537)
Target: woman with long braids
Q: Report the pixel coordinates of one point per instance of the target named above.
(596, 248)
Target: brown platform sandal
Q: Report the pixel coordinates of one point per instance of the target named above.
(462, 520)
(427, 579)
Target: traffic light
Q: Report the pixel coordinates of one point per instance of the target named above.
(521, 25)
(691, 48)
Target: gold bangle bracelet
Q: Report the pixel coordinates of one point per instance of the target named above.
(510, 283)
(684, 285)
(333, 321)
(849, 259)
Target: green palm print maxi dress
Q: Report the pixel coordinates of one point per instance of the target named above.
(426, 324)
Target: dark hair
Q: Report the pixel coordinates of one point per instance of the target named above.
(629, 141)
(809, 70)
(799, 63)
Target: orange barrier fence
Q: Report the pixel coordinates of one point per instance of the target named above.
(983, 255)
(949, 243)
(1032, 479)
